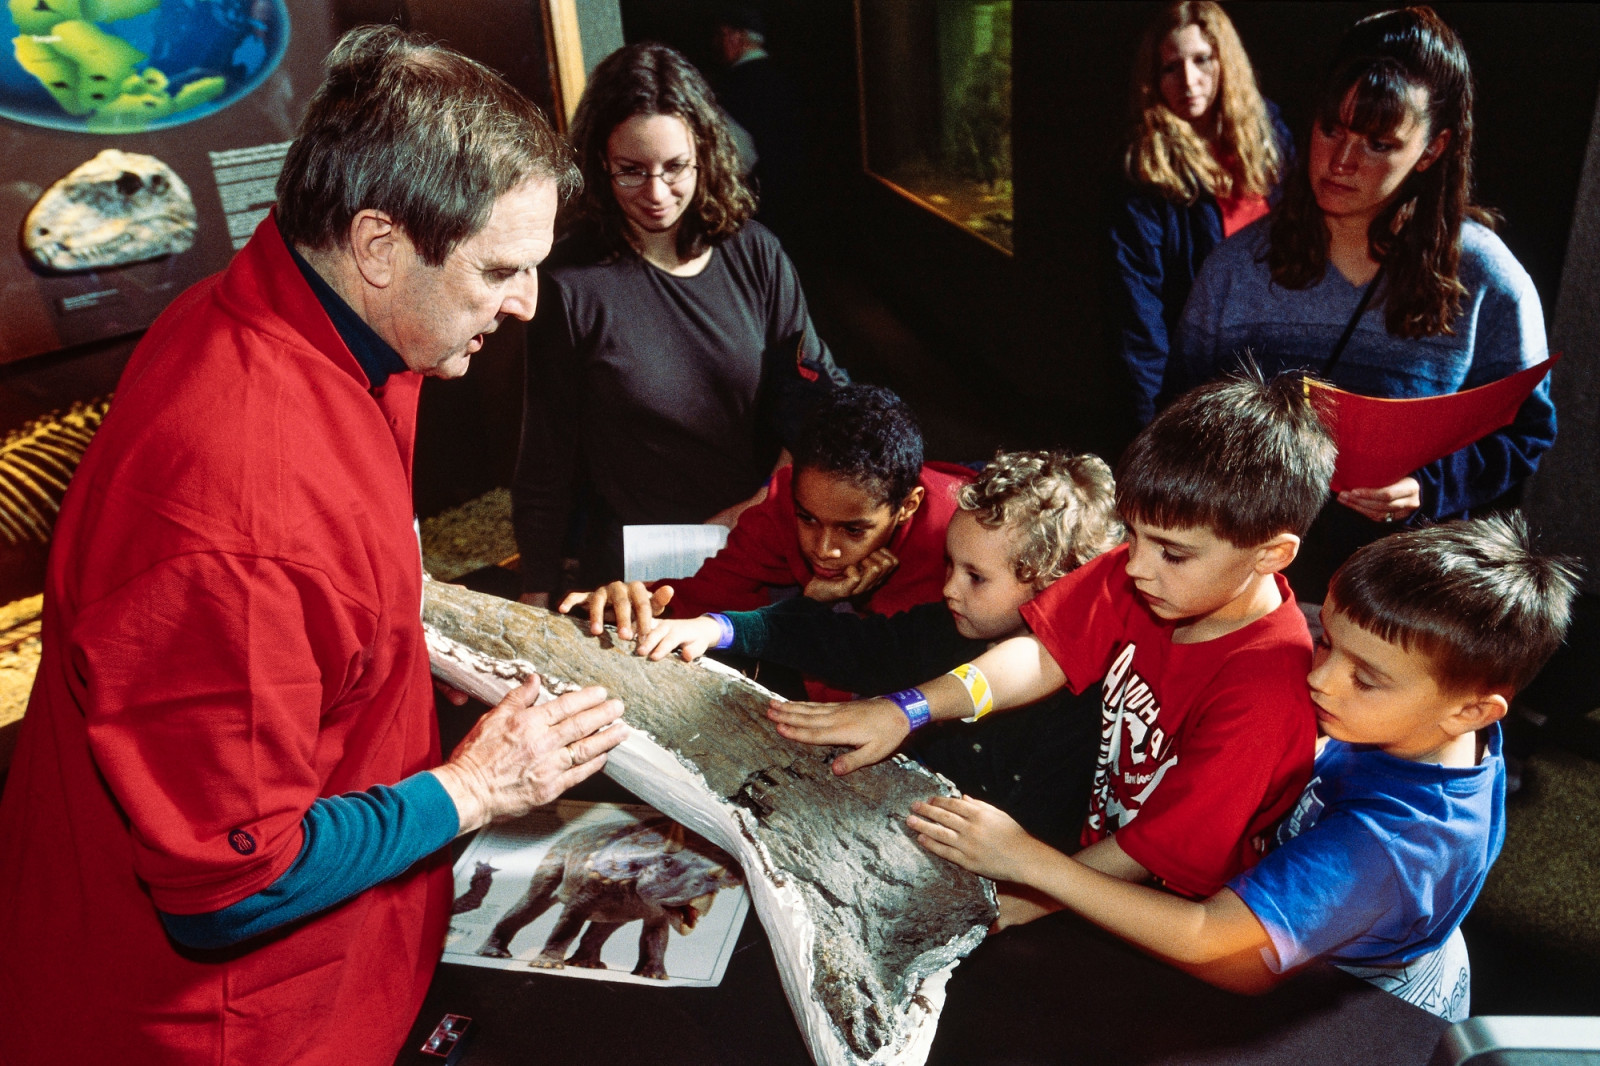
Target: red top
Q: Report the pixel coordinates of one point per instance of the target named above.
(231, 630)
(763, 552)
(1239, 211)
(1203, 746)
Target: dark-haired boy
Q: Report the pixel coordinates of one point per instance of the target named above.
(1428, 635)
(1207, 729)
(859, 516)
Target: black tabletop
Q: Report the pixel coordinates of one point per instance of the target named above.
(1054, 991)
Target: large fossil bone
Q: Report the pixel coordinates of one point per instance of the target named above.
(866, 925)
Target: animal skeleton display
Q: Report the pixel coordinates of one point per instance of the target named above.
(865, 925)
(36, 462)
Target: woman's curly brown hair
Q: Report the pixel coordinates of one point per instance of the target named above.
(1061, 507)
(652, 79)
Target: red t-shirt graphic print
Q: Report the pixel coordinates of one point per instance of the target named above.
(1203, 746)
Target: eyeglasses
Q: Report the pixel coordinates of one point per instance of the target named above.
(634, 178)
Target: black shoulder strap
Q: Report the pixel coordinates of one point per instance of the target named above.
(1350, 326)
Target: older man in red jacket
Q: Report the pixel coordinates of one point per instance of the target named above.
(220, 842)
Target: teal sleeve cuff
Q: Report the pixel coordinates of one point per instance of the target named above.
(351, 842)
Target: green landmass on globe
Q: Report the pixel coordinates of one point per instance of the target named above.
(92, 73)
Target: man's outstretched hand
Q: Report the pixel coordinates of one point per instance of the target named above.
(520, 756)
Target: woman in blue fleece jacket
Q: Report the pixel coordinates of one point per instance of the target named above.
(1202, 163)
(1381, 211)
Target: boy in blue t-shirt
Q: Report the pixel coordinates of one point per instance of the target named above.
(1428, 634)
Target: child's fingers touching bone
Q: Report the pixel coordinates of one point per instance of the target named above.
(971, 833)
(630, 603)
(689, 637)
(874, 728)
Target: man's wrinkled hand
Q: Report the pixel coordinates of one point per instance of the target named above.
(630, 604)
(874, 728)
(520, 755)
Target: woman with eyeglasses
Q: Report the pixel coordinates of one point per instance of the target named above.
(1202, 162)
(672, 350)
(1379, 272)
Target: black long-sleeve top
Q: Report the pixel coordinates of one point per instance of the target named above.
(670, 397)
(866, 654)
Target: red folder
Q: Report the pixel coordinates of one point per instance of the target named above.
(1381, 441)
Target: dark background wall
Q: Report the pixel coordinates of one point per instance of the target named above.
(1014, 348)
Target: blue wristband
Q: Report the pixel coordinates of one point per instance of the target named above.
(913, 704)
(726, 627)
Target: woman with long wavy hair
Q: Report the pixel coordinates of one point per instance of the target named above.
(1202, 161)
(671, 335)
(1379, 272)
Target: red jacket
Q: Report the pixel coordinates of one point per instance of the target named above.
(763, 552)
(231, 630)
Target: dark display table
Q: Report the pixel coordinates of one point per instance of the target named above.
(1055, 991)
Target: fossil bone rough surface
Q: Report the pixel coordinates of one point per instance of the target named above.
(866, 925)
(118, 208)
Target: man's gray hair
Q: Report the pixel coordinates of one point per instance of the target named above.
(419, 132)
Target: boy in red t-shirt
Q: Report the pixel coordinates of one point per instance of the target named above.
(858, 517)
(1207, 731)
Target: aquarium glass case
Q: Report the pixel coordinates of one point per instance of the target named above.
(936, 106)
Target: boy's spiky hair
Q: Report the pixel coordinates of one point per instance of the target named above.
(1470, 595)
(866, 434)
(1244, 457)
(1061, 507)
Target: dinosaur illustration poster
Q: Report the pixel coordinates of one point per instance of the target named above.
(598, 891)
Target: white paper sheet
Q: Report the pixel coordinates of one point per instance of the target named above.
(650, 553)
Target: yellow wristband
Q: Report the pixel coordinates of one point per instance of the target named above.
(978, 690)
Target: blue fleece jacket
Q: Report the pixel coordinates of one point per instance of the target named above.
(1157, 248)
(1235, 308)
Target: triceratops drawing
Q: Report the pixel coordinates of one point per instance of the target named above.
(609, 876)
